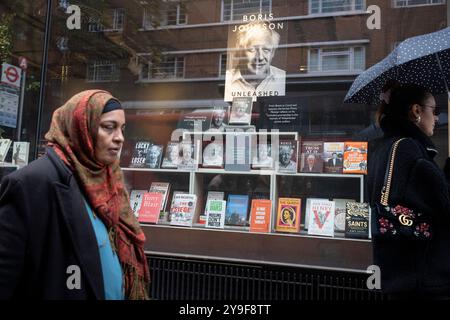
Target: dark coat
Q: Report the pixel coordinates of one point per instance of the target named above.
(44, 229)
(415, 267)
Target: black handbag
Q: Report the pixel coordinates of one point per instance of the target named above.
(398, 221)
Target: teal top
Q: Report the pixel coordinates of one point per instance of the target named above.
(111, 269)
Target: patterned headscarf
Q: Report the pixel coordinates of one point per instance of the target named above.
(72, 135)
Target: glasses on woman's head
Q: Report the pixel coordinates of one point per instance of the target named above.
(435, 109)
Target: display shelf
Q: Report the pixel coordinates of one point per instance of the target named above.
(351, 255)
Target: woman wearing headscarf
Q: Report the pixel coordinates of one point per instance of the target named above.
(66, 227)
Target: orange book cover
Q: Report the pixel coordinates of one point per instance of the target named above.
(260, 215)
(150, 208)
(288, 215)
(355, 157)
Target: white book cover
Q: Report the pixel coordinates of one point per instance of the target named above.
(163, 188)
(183, 209)
(340, 210)
(308, 211)
(4, 148)
(20, 153)
(215, 214)
(136, 197)
(321, 221)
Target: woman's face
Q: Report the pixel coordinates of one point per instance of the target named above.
(110, 136)
(427, 118)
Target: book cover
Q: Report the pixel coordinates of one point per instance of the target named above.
(20, 153)
(150, 208)
(308, 212)
(340, 210)
(321, 220)
(333, 154)
(260, 215)
(188, 160)
(237, 209)
(288, 215)
(237, 150)
(311, 156)
(219, 118)
(241, 110)
(213, 155)
(212, 195)
(215, 214)
(164, 189)
(183, 209)
(140, 154)
(136, 197)
(357, 220)
(154, 156)
(4, 148)
(172, 155)
(263, 157)
(355, 157)
(287, 156)
(164, 216)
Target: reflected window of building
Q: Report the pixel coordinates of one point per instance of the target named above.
(336, 59)
(411, 3)
(113, 20)
(236, 9)
(168, 67)
(171, 14)
(223, 64)
(102, 71)
(327, 6)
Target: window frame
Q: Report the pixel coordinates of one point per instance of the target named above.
(171, 76)
(222, 10)
(351, 55)
(164, 14)
(115, 71)
(396, 5)
(353, 8)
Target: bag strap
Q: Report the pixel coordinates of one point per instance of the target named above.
(388, 174)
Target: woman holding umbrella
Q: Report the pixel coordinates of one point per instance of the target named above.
(411, 268)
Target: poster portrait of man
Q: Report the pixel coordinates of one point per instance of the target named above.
(250, 72)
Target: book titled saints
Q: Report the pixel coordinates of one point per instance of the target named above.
(357, 220)
(236, 212)
(288, 215)
(182, 209)
(215, 214)
(355, 157)
(140, 151)
(321, 220)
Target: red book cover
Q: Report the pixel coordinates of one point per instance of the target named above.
(150, 208)
(260, 215)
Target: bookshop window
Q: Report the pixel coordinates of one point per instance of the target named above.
(411, 3)
(170, 15)
(236, 9)
(102, 71)
(327, 6)
(336, 59)
(168, 67)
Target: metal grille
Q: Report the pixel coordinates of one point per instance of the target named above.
(181, 279)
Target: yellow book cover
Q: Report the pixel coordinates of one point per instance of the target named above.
(288, 215)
